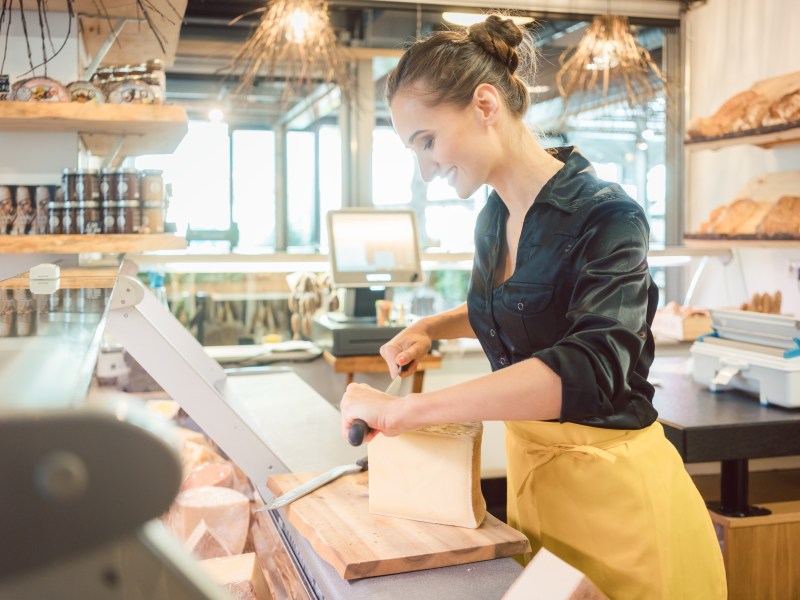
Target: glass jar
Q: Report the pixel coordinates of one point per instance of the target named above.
(152, 186)
(153, 217)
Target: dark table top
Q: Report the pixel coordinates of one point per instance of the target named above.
(706, 426)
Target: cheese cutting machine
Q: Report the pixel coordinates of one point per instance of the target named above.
(753, 352)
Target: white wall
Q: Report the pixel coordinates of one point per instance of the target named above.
(38, 157)
(731, 45)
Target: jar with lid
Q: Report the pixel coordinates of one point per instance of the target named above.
(155, 75)
(153, 214)
(152, 186)
(88, 218)
(55, 218)
(122, 217)
(127, 183)
(69, 221)
(108, 188)
(80, 185)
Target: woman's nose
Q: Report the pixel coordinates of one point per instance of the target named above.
(427, 170)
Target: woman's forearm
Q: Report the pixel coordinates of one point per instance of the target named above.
(526, 391)
(447, 325)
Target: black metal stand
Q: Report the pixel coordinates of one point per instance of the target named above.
(734, 484)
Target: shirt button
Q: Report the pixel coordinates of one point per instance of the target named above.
(503, 361)
(492, 332)
(520, 306)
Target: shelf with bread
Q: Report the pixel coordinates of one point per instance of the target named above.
(765, 115)
(764, 214)
(145, 129)
(763, 137)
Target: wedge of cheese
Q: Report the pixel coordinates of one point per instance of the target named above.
(203, 544)
(226, 513)
(547, 577)
(431, 475)
(209, 474)
(193, 455)
(240, 575)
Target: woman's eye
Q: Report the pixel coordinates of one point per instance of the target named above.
(429, 144)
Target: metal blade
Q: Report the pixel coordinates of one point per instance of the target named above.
(311, 485)
(394, 387)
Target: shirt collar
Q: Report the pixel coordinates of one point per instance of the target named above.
(563, 190)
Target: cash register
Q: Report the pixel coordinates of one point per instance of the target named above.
(371, 252)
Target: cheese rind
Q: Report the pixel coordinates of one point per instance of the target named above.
(241, 575)
(226, 513)
(430, 475)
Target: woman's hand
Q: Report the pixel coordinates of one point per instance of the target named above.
(372, 406)
(404, 349)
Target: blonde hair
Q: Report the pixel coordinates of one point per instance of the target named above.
(447, 66)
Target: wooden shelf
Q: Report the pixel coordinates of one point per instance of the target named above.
(148, 129)
(738, 243)
(77, 244)
(136, 43)
(764, 137)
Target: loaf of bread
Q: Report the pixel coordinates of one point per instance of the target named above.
(772, 101)
(740, 217)
(748, 224)
(785, 110)
(743, 111)
(783, 218)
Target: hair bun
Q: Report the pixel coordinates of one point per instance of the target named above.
(498, 37)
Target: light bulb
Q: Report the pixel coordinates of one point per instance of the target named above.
(299, 26)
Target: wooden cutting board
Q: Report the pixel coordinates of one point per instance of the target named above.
(335, 519)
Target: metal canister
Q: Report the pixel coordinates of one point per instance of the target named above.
(55, 218)
(88, 218)
(122, 217)
(127, 182)
(80, 185)
(69, 221)
(108, 186)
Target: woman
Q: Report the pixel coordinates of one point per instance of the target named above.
(561, 300)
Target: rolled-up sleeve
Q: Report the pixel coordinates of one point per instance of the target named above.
(607, 315)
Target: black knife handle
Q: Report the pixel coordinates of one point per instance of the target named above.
(358, 430)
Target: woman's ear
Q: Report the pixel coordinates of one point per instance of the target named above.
(486, 99)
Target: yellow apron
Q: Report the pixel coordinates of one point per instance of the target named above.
(616, 504)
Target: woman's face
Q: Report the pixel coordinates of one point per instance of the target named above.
(448, 141)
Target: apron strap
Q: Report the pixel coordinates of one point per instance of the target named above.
(541, 454)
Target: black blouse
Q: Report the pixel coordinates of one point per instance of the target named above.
(581, 298)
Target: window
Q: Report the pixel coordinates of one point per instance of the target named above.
(301, 188)
(199, 175)
(254, 186)
(330, 176)
(393, 168)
